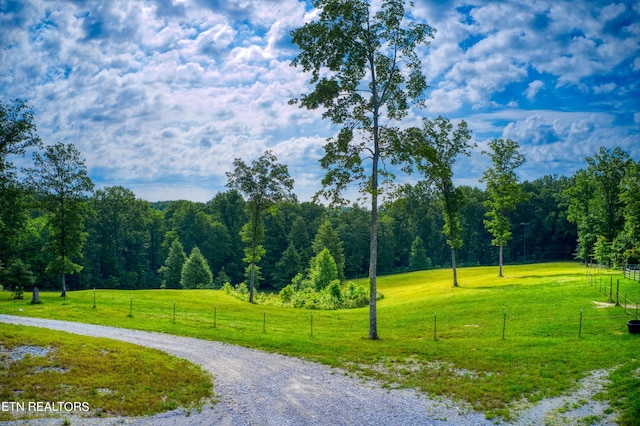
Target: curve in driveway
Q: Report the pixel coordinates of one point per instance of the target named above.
(259, 388)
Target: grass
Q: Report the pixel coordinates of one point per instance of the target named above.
(541, 355)
(101, 376)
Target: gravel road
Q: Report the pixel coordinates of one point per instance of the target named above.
(259, 388)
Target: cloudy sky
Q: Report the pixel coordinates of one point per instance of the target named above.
(160, 96)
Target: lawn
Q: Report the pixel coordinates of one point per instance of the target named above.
(91, 376)
(493, 342)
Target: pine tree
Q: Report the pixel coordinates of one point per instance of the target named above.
(172, 269)
(329, 239)
(196, 272)
(418, 259)
(324, 270)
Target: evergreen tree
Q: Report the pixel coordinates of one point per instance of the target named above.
(329, 239)
(287, 267)
(324, 270)
(418, 259)
(172, 269)
(196, 272)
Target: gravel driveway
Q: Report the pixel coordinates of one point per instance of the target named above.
(259, 388)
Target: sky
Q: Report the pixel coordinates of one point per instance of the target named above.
(161, 96)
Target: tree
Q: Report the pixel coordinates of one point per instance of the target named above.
(323, 271)
(119, 237)
(418, 258)
(364, 69)
(17, 134)
(434, 150)
(196, 272)
(17, 277)
(595, 203)
(61, 182)
(329, 239)
(264, 184)
(172, 269)
(503, 189)
(287, 267)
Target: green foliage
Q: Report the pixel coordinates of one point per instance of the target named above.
(264, 184)
(323, 271)
(17, 277)
(327, 238)
(418, 258)
(172, 268)
(196, 272)
(61, 181)
(348, 48)
(504, 191)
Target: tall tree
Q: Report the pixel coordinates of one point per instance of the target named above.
(504, 191)
(434, 150)
(171, 271)
(364, 69)
(327, 238)
(196, 272)
(264, 184)
(17, 134)
(61, 181)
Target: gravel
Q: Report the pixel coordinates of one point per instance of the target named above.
(258, 388)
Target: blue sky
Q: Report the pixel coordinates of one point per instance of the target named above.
(161, 96)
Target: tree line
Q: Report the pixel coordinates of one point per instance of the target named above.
(54, 223)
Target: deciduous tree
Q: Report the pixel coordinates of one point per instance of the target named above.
(434, 149)
(60, 180)
(504, 191)
(264, 184)
(365, 73)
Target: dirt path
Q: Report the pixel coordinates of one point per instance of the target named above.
(259, 388)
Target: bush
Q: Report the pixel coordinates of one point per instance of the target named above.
(17, 277)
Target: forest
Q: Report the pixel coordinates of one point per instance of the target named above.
(112, 239)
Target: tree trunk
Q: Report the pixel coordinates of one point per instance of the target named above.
(35, 298)
(251, 278)
(64, 284)
(500, 273)
(453, 265)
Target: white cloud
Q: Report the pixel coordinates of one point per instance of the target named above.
(533, 89)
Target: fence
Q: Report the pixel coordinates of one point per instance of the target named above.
(605, 285)
(632, 272)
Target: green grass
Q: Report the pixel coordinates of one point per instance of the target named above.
(541, 355)
(107, 376)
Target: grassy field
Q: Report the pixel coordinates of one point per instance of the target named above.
(441, 340)
(108, 377)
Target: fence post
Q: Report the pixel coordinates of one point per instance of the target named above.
(580, 329)
(610, 289)
(504, 324)
(435, 337)
(94, 298)
(131, 307)
(618, 292)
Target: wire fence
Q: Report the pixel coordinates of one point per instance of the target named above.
(606, 286)
(631, 272)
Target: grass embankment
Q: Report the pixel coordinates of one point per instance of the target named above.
(537, 307)
(99, 376)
